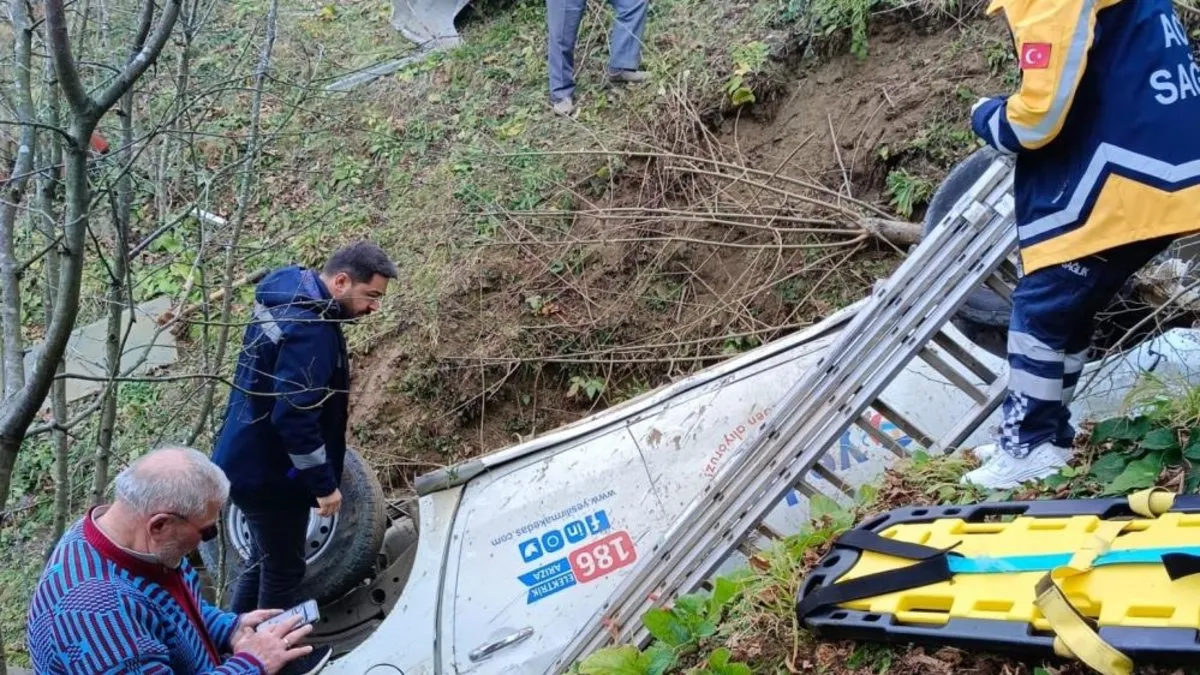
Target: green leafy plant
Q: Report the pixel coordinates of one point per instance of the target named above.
(748, 59)
(737, 345)
(1130, 452)
(679, 631)
(908, 191)
(838, 15)
(586, 386)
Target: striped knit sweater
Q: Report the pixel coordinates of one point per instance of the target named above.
(98, 609)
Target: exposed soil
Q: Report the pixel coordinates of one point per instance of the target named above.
(855, 120)
(634, 290)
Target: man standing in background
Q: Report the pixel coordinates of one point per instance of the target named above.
(625, 42)
(284, 437)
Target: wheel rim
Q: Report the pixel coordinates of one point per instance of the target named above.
(317, 536)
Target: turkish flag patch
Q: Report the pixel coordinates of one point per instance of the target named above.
(1035, 56)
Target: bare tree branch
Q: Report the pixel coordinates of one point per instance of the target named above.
(64, 60)
(48, 223)
(200, 376)
(145, 55)
(37, 125)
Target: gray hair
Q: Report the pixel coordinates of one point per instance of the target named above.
(172, 480)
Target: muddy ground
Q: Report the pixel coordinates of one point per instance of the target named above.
(565, 314)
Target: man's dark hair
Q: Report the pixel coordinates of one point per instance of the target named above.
(361, 261)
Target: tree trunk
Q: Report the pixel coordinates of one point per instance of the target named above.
(12, 365)
(12, 361)
(116, 304)
(49, 180)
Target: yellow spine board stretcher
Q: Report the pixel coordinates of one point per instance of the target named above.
(1103, 581)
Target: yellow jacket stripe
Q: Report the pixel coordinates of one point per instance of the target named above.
(1066, 28)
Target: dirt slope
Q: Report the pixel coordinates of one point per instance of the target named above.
(664, 269)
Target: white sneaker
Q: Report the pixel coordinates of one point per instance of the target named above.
(564, 106)
(1003, 471)
(628, 76)
(985, 452)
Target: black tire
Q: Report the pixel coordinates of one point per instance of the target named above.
(348, 550)
(984, 308)
(984, 317)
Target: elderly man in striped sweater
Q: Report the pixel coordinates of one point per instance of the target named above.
(118, 594)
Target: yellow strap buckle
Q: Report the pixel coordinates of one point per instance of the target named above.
(1151, 503)
(1074, 636)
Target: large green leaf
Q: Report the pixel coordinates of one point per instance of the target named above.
(723, 591)
(718, 664)
(1138, 475)
(666, 628)
(1161, 439)
(1056, 481)
(659, 659)
(691, 609)
(614, 661)
(1109, 466)
(820, 506)
(1120, 429)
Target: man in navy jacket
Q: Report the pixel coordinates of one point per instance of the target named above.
(284, 436)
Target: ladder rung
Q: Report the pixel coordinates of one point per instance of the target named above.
(950, 442)
(956, 378)
(911, 430)
(997, 284)
(748, 549)
(806, 489)
(880, 437)
(833, 479)
(964, 357)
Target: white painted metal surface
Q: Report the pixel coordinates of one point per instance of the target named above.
(514, 541)
(515, 562)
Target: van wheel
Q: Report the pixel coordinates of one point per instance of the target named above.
(984, 308)
(341, 551)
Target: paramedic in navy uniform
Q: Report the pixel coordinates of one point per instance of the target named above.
(1105, 129)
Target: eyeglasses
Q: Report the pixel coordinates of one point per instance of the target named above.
(206, 533)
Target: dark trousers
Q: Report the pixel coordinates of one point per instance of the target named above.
(276, 566)
(1049, 336)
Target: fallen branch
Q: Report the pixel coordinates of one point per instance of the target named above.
(683, 240)
(179, 315)
(893, 231)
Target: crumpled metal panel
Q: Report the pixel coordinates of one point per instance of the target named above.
(428, 23)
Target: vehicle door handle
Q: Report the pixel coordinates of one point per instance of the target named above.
(488, 648)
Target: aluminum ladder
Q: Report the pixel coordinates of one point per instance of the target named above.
(904, 316)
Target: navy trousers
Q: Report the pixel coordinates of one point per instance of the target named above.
(1048, 339)
(625, 41)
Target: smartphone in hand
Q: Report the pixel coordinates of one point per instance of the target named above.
(307, 611)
